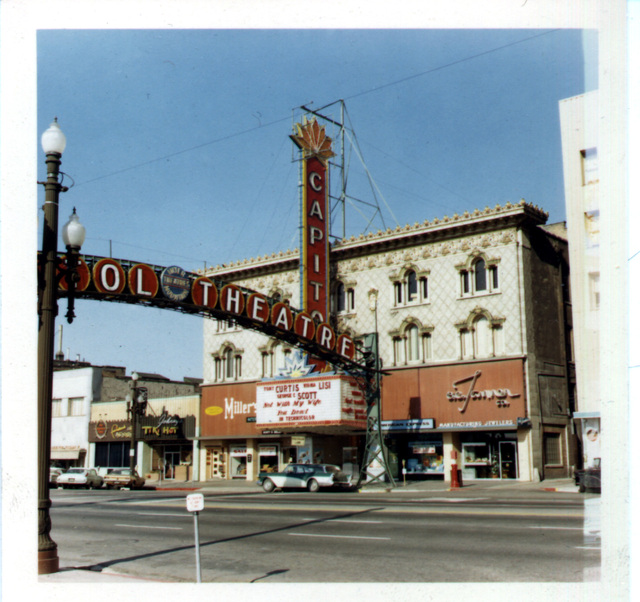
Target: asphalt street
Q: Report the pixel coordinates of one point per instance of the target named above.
(420, 535)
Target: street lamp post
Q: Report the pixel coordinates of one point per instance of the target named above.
(133, 409)
(53, 144)
(136, 406)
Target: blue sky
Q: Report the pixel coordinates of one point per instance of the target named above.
(178, 145)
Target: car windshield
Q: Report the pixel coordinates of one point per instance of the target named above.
(75, 471)
(122, 471)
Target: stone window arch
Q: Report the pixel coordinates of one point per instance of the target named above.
(480, 335)
(410, 286)
(411, 342)
(273, 356)
(343, 297)
(478, 275)
(227, 363)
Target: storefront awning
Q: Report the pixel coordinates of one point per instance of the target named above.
(66, 453)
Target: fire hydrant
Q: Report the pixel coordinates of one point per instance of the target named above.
(456, 477)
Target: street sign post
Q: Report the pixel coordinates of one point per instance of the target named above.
(195, 503)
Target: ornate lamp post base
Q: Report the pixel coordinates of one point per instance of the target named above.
(48, 561)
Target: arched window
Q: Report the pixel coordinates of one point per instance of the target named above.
(481, 335)
(484, 337)
(228, 358)
(340, 298)
(413, 343)
(398, 351)
(343, 299)
(480, 273)
(412, 286)
(479, 277)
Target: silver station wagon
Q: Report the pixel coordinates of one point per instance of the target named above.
(311, 477)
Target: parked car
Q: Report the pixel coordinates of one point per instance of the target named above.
(122, 477)
(80, 477)
(588, 479)
(304, 476)
(54, 473)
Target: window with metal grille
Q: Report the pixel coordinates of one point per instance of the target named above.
(552, 449)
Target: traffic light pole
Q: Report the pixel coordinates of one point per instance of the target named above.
(375, 463)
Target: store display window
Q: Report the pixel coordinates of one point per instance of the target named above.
(476, 459)
(425, 458)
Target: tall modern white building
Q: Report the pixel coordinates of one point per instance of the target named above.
(579, 131)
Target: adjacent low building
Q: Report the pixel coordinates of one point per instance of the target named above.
(91, 426)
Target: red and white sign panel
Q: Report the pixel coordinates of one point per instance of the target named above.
(315, 243)
(309, 402)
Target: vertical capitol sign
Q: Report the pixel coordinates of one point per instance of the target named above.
(316, 152)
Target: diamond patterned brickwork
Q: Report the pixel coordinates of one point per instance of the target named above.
(443, 310)
(436, 249)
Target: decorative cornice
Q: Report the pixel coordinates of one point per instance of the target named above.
(509, 215)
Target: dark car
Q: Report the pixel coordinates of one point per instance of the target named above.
(588, 479)
(304, 476)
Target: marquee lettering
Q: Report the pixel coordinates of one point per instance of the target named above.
(315, 181)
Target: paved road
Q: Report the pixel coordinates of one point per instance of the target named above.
(423, 537)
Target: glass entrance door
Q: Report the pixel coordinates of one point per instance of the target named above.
(508, 460)
(171, 460)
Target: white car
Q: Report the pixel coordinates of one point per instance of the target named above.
(88, 478)
(54, 473)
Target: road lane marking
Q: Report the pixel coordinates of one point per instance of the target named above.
(447, 499)
(345, 520)
(183, 515)
(149, 527)
(336, 536)
(559, 528)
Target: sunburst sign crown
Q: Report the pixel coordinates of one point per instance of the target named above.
(313, 141)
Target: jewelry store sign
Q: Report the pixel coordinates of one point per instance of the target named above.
(478, 424)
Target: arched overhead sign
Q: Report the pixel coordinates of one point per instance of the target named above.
(108, 279)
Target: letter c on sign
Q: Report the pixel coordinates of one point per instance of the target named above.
(313, 181)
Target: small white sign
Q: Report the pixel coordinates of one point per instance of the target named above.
(195, 502)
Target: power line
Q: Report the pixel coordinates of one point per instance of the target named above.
(359, 94)
(447, 65)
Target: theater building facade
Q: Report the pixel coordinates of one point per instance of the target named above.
(471, 314)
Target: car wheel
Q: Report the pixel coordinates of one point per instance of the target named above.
(313, 486)
(268, 485)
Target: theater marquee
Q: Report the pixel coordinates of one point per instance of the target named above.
(311, 402)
